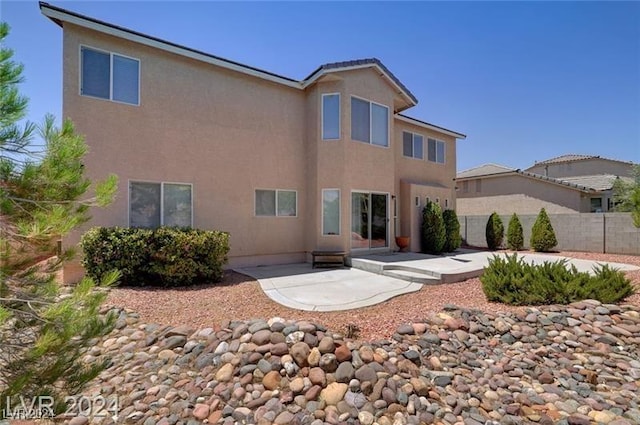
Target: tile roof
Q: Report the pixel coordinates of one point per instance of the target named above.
(596, 182)
(485, 170)
(573, 158)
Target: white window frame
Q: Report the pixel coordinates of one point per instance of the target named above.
(370, 142)
(276, 212)
(444, 151)
(111, 54)
(339, 116)
(417, 202)
(339, 212)
(413, 145)
(161, 183)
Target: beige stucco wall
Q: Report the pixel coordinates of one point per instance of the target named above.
(519, 194)
(229, 134)
(583, 168)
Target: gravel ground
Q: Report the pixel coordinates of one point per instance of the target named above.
(239, 297)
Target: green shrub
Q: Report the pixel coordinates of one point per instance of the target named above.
(543, 237)
(166, 256)
(513, 281)
(494, 231)
(433, 230)
(515, 239)
(453, 239)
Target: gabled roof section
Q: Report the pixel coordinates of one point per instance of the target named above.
(60, 16)
(495, 170)
(485, 170)
(358, 64)
(573, 158)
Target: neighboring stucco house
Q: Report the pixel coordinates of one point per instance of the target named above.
(566, 184)
(285, 166)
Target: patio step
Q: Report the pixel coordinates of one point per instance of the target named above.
(412, 276)
(406, 273)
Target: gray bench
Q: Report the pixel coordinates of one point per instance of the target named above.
(328, 258)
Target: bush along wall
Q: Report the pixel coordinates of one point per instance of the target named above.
(543, 237)
(452, 230)
(494, 231)
(511, 280)
(166, 256)
(515, 238)
(433, 231)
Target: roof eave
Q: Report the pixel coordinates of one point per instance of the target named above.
(429, 126)
(59, 16)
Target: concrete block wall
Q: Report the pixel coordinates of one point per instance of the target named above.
(612, 233)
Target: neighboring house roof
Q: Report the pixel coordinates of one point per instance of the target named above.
(484, 170)
(60, 15)
(495, 170)
(597, 182)
(573, 158)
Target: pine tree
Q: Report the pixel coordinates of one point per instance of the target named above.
(43, 329)
(494, 231)
(515, 238)
(626, 196)
(543, 237)
(452, 229)
(433, 230)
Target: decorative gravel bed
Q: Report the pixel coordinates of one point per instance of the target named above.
(239, 297)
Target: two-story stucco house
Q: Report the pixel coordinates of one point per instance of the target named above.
(285, 166)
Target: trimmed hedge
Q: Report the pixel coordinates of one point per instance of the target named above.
(514, 281)
(433, 232)
(166, 256)
(452, 230)
(494, 232)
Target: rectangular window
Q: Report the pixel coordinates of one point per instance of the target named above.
(435, 151)
(109, 76)
(478, 185)
(417, 201)
(330, 211)
(331, 116)
(369, 122)
(160, 204)
(446, 203)
(272, 203)
(412, 145)
(596, 205)
(465, 186)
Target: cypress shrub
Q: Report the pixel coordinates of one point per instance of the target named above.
(494, 231)
(452, 230)
(515, 239)
(433, 230)
(543, 237)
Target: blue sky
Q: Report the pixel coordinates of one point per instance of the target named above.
(524, 80)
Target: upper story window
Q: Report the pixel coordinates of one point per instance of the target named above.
(436, 151)
(160, 204)
(331, 116)
(109, 76)
(369, 122)
(412, 145)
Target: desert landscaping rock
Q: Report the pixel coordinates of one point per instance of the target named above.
(577, 364)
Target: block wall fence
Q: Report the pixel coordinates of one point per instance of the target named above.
(612, 233)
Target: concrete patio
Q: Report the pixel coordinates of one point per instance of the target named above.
(378, 277)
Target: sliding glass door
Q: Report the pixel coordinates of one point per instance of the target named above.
(369, 221)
